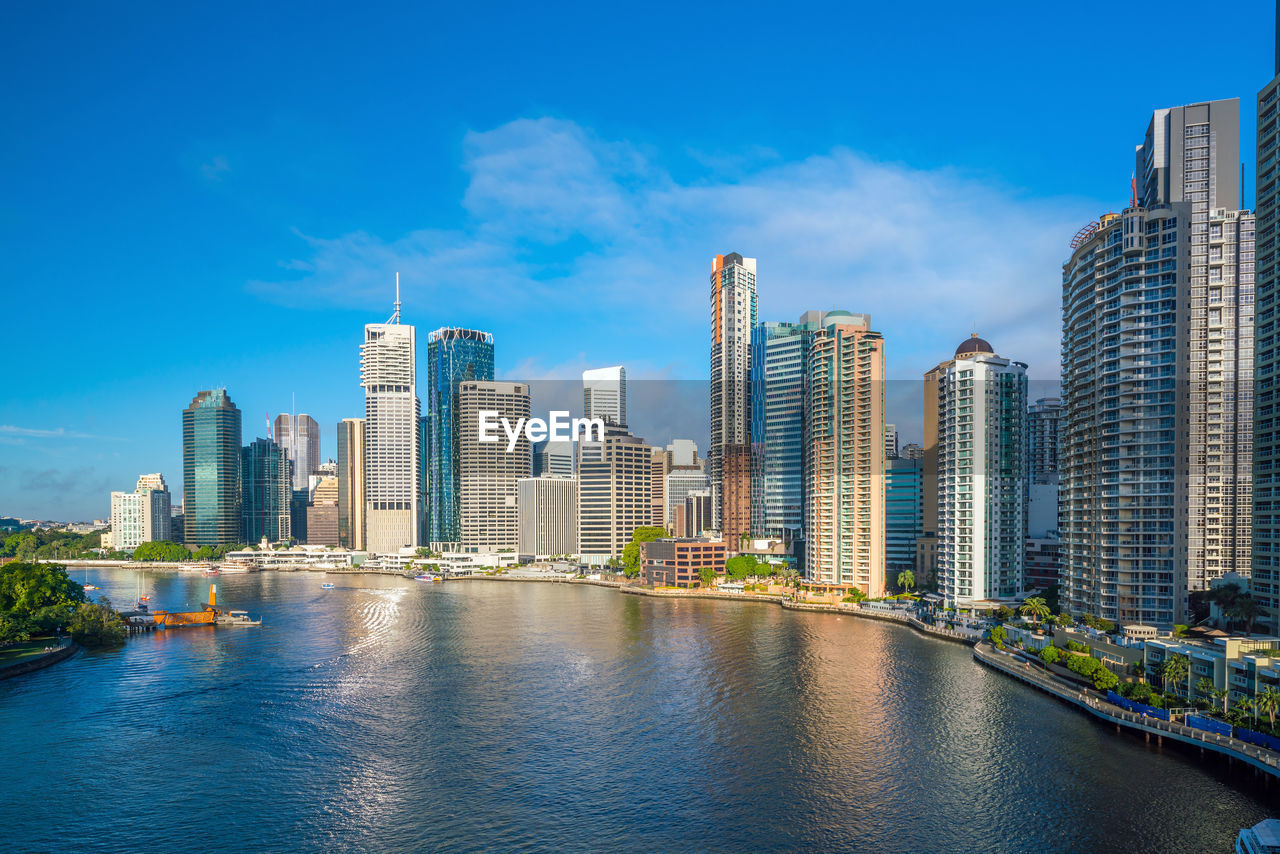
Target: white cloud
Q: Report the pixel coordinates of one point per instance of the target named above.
(13, 432)
(565, 228)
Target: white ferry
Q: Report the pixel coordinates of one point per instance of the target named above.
(1262, 838)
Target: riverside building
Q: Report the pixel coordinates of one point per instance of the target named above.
(547, 507)
(454, 356)
(1157, 380)
(844, 471)
(615, 479)
(141, 516)
(981, 430)
(266, 504)
(733, 317)
(211, 470)
(487, 471)
(351, 493)
(389, 377)
(1265, 584)
(298, 435)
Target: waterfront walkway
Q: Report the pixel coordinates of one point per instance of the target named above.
(1012, 665)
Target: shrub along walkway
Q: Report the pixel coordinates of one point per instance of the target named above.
(1011, 665)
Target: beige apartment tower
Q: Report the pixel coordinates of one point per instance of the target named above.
(487, 471)
(615, 494)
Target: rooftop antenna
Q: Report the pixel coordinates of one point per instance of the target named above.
(395, 318)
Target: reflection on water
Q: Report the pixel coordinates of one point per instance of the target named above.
(390, 715)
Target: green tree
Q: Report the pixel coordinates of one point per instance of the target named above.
(13, 630)
(1268, 702)
(631, 551)
(707, 576)
(906, 580)
(1104, 679)
(1173, 673)
(1204, 688)
(203, 553)
(998, 636)
(96, 624)
(1180, 631)
(39, 595)
(742, 566)
(1246, 610)
(1050, 655)
(161, 550)
(1035, 608)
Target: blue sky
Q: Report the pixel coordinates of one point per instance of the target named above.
(221, 195)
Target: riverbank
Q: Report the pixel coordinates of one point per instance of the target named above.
(1263, 760)
(38, 662)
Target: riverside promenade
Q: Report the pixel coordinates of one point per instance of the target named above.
(1267, 761)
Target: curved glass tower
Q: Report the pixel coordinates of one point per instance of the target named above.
(211, 470)
(454, 356)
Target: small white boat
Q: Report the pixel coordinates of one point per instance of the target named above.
(328, 585)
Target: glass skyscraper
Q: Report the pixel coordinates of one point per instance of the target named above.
(454, 356)
(779, 357)
(903, 514)
(266, 490)
(211, 470)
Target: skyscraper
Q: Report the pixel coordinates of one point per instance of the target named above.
(779, 359)
(388, 374)
(351, 492)
(903, 514)
(141, 516)
(733, 317)
(1265, 584)
(1043, 420)
(553, 458)
(547, 507)
(211, 470)
(890, 442)
(266, 479)
(487, 471)
(604, 394)
(982, 522)
(454, 356)
(614, 493)
(1157, 386)
(298, 435)
(844, 435)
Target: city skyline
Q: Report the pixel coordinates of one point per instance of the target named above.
(640, 219)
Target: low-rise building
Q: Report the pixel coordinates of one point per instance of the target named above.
(1243, 666)
(678, 562)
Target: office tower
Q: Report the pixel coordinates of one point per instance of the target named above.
(779, 359)
(982, 472)
(322, 513)
(733, 317)
(604, 394)
(454, 356)
(1156, 481)
(267, 503)
(553, 458)
(388, 360)
(299, 500)
(903, 514)
(488, 471)
(911, 452)
(424, 479)
(299, 437)
(329, 468)
(614, 493)
(351, 494)
(658, 489)
(693, 516)
(1043, 420)
(890, 442)
(211, 470)
(141, 516)
(680, 482)
(1265, 583)
(547, 507)
(844, 471)
(683, 453)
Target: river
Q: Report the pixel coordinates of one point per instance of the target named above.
(391, 715)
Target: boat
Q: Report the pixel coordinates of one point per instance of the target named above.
(236, 618)
(91, 587)
(328, 585)
(211, 571)
(190, 567)
(1262, 838)
(428, 579)
(237, 564)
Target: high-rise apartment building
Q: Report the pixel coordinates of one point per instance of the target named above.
(779, 359)
(1156, 492)
(388, 374)
(211, 470)
(844, 471)
(733, 318)
(298, 435)
(615, 479)
(1043, 420)
(141, 516)
(351, 493)
(1265, 583)
(890, 442)
(982, 472)
(658, 489)
(547, 507)
(604, 394)
(266, 506)
(454, 356)
(927, 543)
(487, 471)
(683, 453)
(903, 514)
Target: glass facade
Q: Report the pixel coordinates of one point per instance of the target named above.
(211, 470)
(903, 514)
(453, 357)
(268, 497)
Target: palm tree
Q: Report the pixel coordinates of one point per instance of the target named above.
(1247, 708)
(1268, 702)
(1204, 687)
(906, 580)
(1220, 695)
(1173, 672)
(1035, 608)
(1247, 610)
